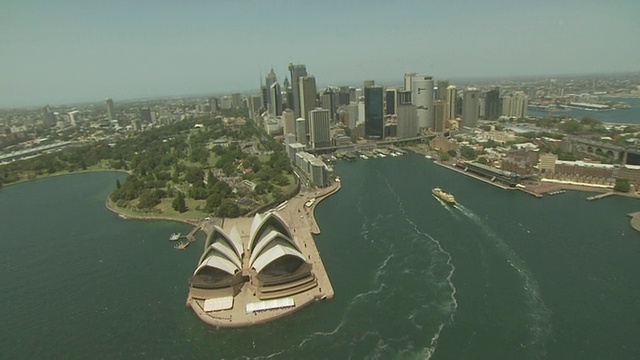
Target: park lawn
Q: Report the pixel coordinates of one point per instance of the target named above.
(293, 180)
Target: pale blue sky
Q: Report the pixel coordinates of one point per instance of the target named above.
(67, 51)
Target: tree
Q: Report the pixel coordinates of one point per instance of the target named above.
(178, 203)
(228, 208)
(468, 153)
(622, 185)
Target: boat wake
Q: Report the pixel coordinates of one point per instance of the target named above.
(539, 314)
(428, 352)
(446, 206)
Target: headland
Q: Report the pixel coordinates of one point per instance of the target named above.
(241, 302)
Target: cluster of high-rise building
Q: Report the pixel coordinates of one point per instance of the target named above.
(421, 105)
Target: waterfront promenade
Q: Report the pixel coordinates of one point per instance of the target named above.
(302, 224)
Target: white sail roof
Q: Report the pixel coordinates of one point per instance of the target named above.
(273, 254)
(272, 236)
(228, 253)
(234, 236)
(219, 262)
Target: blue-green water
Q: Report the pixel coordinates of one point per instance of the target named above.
(502, 275)
(624, 116)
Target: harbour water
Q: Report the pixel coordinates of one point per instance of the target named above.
(500, 275)
(624, 116)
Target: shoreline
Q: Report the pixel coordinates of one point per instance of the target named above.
(113, 208)
(22, 181)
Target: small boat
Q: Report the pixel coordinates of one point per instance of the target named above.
(175, 236)
(181, 246)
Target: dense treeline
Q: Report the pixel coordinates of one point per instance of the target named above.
(177, 162)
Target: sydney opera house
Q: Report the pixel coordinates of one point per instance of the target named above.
(260, 265)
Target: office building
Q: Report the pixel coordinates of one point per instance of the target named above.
(307, 97)
(422, 96)
(391, 101)
(408, 78)
(407, 121)
(254, 104)
(441, 90)
(404, 97)
(145, 115)
(343, 96)
(373, 112)
(236, 100)
(368, 83)
(515, 105)
(328, 100)
(270, 80)
(470, 107)
(288, 121)
(110, 110)
(319, 122)
(492, 104)
(301, 131)
(439, 109)
(352, 115)
(452, 103)
(275, 98)
(296, 71)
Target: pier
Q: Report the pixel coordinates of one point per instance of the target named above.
(600, 196)
(190, 237)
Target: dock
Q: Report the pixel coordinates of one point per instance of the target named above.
(190, 238)
(600, 196)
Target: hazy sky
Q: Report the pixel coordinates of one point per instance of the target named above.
(67, 51)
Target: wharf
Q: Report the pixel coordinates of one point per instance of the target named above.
(488, 181)
(600, 196)
(190, 237)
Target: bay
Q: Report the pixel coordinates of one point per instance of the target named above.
(621, 116)
(501, 275)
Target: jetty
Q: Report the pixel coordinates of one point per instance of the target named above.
(600, 196)
(190, 238)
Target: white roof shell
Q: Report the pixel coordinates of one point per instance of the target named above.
(273, 254)
(219, 262)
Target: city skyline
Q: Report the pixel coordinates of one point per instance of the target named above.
(79, 52)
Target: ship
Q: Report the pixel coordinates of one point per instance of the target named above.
(444, 196)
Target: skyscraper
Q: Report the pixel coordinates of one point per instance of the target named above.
(439, 109)
(270, 80)
(408, 78)
(288, 121)
(373, 112)
(407, 121)
(236, 100)
(48, 117)
(110, 111)
(301, 131)
(452, 106)
(275, 96)
(391, 101)
(307, 96)
(328, 100)
(368, 83)
(515, 105)
(492, 104)
(470, 107)
(422, 96)
(145, 115)
(343, 96)
(297, 71)
(404, 97)
(441, 91)
(319, 135)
